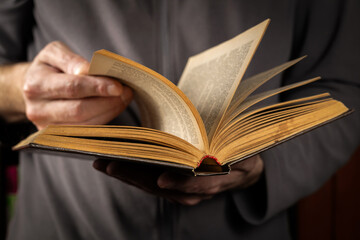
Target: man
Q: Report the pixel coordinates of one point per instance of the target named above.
(46, 47)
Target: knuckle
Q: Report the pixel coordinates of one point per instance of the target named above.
(32, 114)
(30, 89)
(101, 89)
(72, 88)
(76, 112)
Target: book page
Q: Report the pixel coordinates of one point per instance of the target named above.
(162, 105)
(273, 134)
(211, 78)
(249, 85)
(252, 100)
(230, 131)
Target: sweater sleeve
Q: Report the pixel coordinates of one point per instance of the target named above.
(16, 24)
(326, 30)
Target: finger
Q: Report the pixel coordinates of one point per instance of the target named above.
(247, 164)
(58, 55)
(101, 164)
(135, 171)
(99, 110)
(139, 176)
(189, 200)
(45, 82)
(186, 198)
(145, 179)
(190, 184)
(103, 119)
(251, 170)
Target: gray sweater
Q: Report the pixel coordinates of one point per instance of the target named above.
(63, 198)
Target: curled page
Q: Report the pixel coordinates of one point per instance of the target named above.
(162, 105)
(211, 78)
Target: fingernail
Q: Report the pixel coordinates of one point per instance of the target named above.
(113, 90)
(126, 96)
(100, 165)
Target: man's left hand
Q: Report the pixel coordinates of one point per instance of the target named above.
(183, 189)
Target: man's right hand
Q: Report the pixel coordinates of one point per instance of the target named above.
(57, 90)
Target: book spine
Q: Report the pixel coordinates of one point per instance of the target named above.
(209, 156)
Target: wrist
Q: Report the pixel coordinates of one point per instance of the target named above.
(12, 106)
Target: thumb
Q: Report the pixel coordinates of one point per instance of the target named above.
(60, 56)
(81, 68)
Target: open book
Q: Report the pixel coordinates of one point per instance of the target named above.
(206, 123)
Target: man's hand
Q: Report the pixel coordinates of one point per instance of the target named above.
(186, 190)
(57, 90)
(12, 106)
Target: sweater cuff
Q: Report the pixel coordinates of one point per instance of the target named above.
(267, 197)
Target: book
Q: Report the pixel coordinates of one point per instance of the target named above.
(207, 123)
